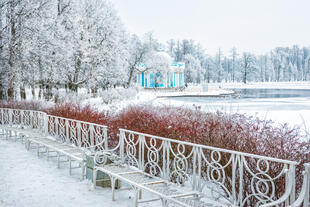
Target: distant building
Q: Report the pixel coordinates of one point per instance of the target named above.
(172, 77)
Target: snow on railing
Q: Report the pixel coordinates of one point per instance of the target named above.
(236, 178)
(82, 134)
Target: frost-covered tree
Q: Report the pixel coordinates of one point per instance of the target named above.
(219, 67)
(234, 56)
(15, 38)
(97, 45)
(248, 65)
(138, 52)
(193, 71)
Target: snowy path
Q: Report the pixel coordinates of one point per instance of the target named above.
(29, 181)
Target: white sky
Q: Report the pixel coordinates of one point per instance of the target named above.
(250, 25)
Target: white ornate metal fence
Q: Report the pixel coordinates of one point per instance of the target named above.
(23, 118)
(236, 178)
(81, 134)
(239, 179)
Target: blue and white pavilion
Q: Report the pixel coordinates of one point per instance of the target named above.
(172, 77)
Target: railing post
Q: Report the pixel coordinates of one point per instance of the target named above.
(121, 139)
(240, 191)
(1, 116)
(141, 151)
(67, 131)
(45, 124)
(194, 178)
(292, 168)
(91, 138)
(287, 178)
(199, 161)
(106, 147)
(79, 132)
(164, 159)
(10, 117)
(56, 127)
(22, 117)
(167, 159)
(307, 196)
(233, 177)
(30, 119)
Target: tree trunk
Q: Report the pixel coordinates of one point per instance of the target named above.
(49, 93)
(130, 76)
(73, 84)
(11, 53)
(1, 89)
(22, 92)
(94, 90)
(40, 91)
(33, 92)
(11, 93)
(56, 95)
(72, 87)
(245, 76)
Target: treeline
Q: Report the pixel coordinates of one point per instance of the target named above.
(280, 64)
(52, 44)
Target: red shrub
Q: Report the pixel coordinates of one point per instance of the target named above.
(75, 111)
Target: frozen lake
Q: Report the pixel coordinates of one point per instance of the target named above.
(280, 105)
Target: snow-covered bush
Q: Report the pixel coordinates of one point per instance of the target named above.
(117, 94)
(72, 97)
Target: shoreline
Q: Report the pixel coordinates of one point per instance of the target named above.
(212, 93)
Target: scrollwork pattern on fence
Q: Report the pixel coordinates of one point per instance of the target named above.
(132, 145)
(154, 150)
(73, 132)
(262, 181)
(179, 172)
(214, 166)
(16, 117)
(235, 178)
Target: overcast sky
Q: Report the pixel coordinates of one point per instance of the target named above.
(250, 25)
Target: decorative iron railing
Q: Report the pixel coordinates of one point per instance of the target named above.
(81, 134)
(22, 118)
(235, 178)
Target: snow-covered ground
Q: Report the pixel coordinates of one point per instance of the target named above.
(29, 181)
